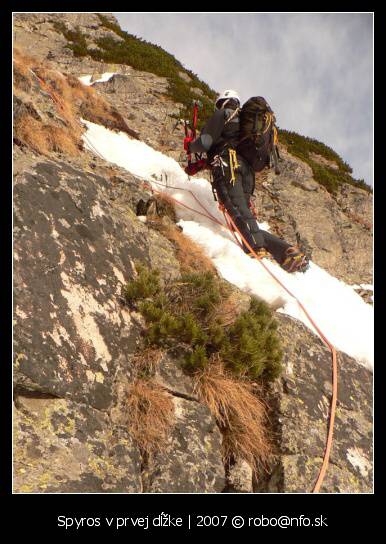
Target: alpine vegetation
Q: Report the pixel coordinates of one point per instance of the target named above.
(187, 313)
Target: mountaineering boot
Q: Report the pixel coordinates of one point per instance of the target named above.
(294, 261)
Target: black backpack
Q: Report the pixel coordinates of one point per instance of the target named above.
(258, 135)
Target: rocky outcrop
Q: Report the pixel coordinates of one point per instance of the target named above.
(300, 401)
(334, 230)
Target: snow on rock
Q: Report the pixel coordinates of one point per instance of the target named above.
(345, 319)
(86, 80)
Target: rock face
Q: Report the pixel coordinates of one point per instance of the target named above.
(76, 242)
(336, 231)
(190, 463)
(300, 406)
(74, 340)
(67, 447)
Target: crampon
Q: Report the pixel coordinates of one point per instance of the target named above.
(295, 261)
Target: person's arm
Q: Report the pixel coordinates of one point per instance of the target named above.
(210, 134)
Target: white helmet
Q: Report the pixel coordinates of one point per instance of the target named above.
(227, 95)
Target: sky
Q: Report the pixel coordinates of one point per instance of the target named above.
(315, 69)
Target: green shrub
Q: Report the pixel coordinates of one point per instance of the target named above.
(252, 347)
(145, 285)
(77, 40)
(181, 313)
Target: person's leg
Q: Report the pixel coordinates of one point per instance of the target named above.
(232, 196)
(235, 197)
(249, 183)
(275, 246)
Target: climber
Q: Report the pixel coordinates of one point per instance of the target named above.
(233, 182)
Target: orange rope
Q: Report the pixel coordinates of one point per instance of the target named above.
(233, 229)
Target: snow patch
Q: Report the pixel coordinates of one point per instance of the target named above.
(86, 80)
(359, 461)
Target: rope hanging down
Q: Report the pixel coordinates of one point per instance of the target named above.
(231, 226)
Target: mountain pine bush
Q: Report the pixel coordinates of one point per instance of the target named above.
(187, 313)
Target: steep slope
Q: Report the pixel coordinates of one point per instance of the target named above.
(77, 238)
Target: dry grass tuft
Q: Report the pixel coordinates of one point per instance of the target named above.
(147, 361)
(45, 138)
(189, 254)
(61, 140)
(72, 101)
(22, 77)
(150, 415)
(240, 414)
(29, 131)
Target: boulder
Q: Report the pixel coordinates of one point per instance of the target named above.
(74, 250)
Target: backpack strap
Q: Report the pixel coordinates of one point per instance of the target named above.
(232, 116)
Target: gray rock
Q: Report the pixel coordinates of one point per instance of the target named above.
(74, 251)
(184, 76)
(300, 406)
(171, 376)
(240, 478)
(197, 90)
(306, 214)
(191, 462)
(64, 447)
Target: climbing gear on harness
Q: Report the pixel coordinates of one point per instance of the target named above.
(196, 166)
(295, 261)
(258, 135)
(233, 165)
(187, 141)
(190, 134)
(275, 156)
(218, 161)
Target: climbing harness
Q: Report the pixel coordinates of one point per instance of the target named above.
(231, 226)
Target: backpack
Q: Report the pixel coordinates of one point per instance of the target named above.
(258, 135)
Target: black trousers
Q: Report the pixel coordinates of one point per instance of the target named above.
(236, 197)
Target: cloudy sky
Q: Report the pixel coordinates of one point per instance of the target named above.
(316, 70)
